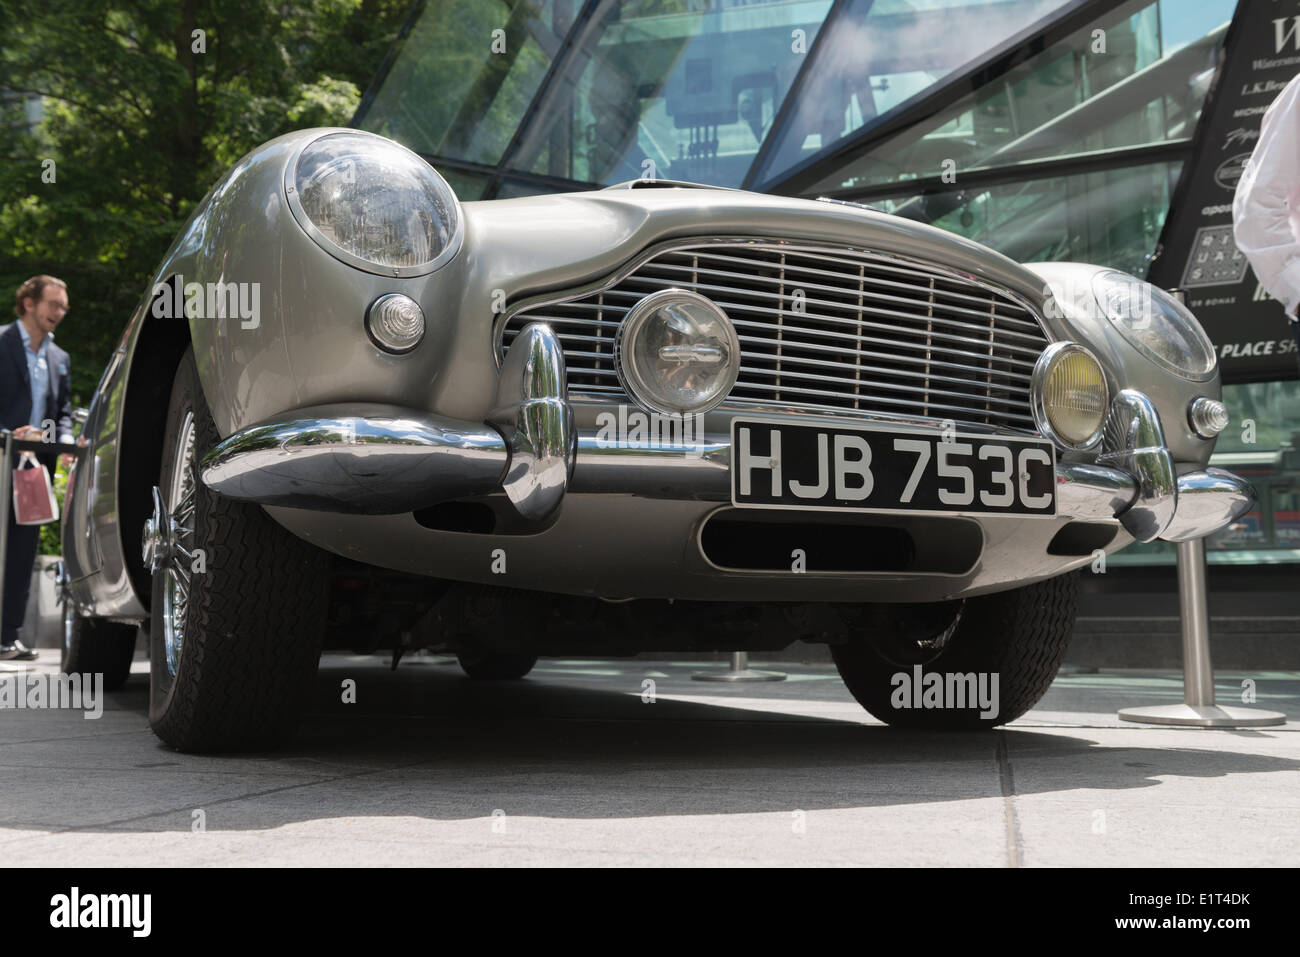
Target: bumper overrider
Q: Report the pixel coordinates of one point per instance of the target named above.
(376, 459)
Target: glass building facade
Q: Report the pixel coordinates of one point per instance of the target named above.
(1045, 129)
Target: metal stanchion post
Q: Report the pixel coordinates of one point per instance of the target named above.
(739, 671)
(1198, 708)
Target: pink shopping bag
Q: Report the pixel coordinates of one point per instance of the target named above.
(34, 502)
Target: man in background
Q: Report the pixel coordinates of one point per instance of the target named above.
(34, 389)
(1266, 208)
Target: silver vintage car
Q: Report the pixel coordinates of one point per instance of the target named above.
(354, 412)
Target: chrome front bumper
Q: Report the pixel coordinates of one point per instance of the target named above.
(381, 460)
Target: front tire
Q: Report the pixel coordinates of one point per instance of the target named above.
(1019, 635)
(238, 605)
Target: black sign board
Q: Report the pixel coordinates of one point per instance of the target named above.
(1197, 252)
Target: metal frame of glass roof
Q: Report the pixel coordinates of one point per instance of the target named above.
(797, 180)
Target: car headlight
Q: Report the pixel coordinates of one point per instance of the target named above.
(1156, 324)
(1069, 395)
(677, 352)
(373, 204)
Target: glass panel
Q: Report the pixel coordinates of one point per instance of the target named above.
(466, 186)
(1112, 218)
(466, 74)
(511, 188)
(880, 54)
(675, 89)
(1262, 445)
(1118, 83)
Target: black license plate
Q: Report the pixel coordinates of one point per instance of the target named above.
(889, 469)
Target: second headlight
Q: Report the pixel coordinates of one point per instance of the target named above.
(1156, 324)
(1070, 396)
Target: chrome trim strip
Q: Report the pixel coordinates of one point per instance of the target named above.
(701, 471)
(358, 458)
(373, 459)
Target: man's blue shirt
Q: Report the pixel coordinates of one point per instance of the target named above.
(38, 372)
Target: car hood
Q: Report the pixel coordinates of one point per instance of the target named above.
(541, 243)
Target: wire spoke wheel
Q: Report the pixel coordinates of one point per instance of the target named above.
(176, 588)
(238, 603)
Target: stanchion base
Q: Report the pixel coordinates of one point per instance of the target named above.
(745, 675)
(1213, 716)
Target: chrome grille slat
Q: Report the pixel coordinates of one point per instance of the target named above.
(921, 359)
(978, 313)
(979, 325)
(881, 370)
(1024, 316)
(1017, 368)
(980, 342)
(883, 333)
(891, 387)
(890, 400)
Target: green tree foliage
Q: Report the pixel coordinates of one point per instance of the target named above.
(146, 103)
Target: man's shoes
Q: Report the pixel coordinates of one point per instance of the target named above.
(17, 652)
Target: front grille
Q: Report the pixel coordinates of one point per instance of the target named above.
(826, 329)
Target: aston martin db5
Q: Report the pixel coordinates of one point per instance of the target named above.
(351, 411)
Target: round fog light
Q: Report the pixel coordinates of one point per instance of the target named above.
(395, 323)
(677, 352)
(1070, 395)
(1207, 416)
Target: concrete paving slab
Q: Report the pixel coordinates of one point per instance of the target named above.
(582, 768)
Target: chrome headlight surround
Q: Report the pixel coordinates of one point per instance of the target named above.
(1156, 325)
(397, 198)
(1038, 383)
(633, 379)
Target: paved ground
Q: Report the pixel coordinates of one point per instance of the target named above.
(571, 766)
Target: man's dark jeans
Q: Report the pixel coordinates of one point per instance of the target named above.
(23, 542)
